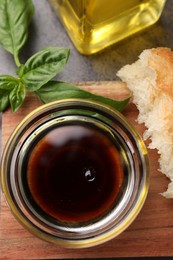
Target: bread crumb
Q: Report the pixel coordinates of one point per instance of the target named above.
(150, 79)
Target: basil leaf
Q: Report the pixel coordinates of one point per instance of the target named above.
(55, 90)
(15, 16)
(17, 96)
(7, 83)
(4, 101)
(43, 66)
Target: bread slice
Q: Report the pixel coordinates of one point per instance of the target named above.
(150, 79)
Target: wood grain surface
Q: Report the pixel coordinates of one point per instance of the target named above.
(151, 234)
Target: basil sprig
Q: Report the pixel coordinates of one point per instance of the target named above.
(36, 73)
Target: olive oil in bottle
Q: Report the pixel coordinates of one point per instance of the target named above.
(95, 24)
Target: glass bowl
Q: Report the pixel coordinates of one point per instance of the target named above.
(75, 173)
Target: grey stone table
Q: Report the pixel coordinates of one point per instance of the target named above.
(46, 30)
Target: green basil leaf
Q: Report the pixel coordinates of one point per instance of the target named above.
(7, 83)
(4, 101)
(15, 16)
(17, 96)
(55, 90)
(43, 66)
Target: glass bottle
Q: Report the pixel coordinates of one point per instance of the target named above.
(95, 24)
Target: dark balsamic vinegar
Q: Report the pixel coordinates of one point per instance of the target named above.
(74, 173)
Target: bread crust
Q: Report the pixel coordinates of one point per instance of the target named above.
(150, 79)
(161, 60)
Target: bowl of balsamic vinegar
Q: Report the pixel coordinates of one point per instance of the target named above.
(75, 173)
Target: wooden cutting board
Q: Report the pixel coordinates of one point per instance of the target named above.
(151, 234)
